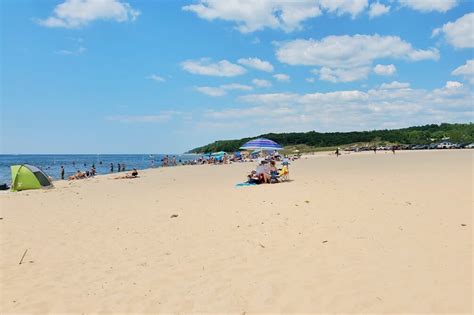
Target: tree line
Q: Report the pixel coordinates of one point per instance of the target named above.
(458, 133)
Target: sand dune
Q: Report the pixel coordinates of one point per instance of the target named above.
(359, 233)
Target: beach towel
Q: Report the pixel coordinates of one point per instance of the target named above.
(245, 184)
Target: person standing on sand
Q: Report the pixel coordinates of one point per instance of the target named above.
(337, 152)
(393, 149)
(375, 150)
(174, 160)
(62, 172)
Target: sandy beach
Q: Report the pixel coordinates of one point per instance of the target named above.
(371, 233)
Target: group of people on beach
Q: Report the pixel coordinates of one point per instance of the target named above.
(268, 173)
(79, 174)
(165, 161)
(93, 171)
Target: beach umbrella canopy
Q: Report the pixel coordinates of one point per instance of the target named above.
(218, 153)
(261, 144)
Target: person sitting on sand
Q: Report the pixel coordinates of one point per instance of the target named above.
(263, 171)
(274, 173)
(79, 175)
(133, 174)
(254, 178)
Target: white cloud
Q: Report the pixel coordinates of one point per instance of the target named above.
(261, 83)
(236, 86)
(269, 98)
(76, 52)
(429, 5)
(340, 7)
(78, 13)
(282, 77)
(336, 75)
(310, 80)
(349, 51)
(385, 69)
(453, 85)
(222, 89)
(250, 15)
(156, 78)
(256, 63)
(350, 109)
(211, 91)
(394, 85)
(459, 33)
(204, 66)
(466, 71)
(378, 9)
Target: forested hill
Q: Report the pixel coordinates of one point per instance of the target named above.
(463, 133)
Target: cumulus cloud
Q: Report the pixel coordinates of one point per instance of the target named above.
(261, 83)
(466, 71)
(282, 77)
(222, 89)
(429, 5)
(340, 7)
(378, 9)
(382, 107)
(385, 69)
(453, 85)
(78, 13)
(394, 85)
(459, 33)
(156, 78)
(204, 66)
(336, 75)
(350, 51)
(256, 63)
(250, 15)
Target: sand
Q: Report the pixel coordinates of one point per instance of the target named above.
(360, 233)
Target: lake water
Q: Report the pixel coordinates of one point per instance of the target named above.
(51, 163)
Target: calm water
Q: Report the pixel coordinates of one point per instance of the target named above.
(51, 164)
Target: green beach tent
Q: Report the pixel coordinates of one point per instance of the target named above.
(28, 177)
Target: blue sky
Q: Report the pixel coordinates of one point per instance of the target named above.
(113, 76)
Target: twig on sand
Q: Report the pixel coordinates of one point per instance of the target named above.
(22, 257)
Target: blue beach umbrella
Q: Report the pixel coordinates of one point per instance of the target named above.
(261, 144)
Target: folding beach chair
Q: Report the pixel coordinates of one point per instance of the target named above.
(284, 173)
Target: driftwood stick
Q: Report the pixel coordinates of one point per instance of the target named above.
(24, 254)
